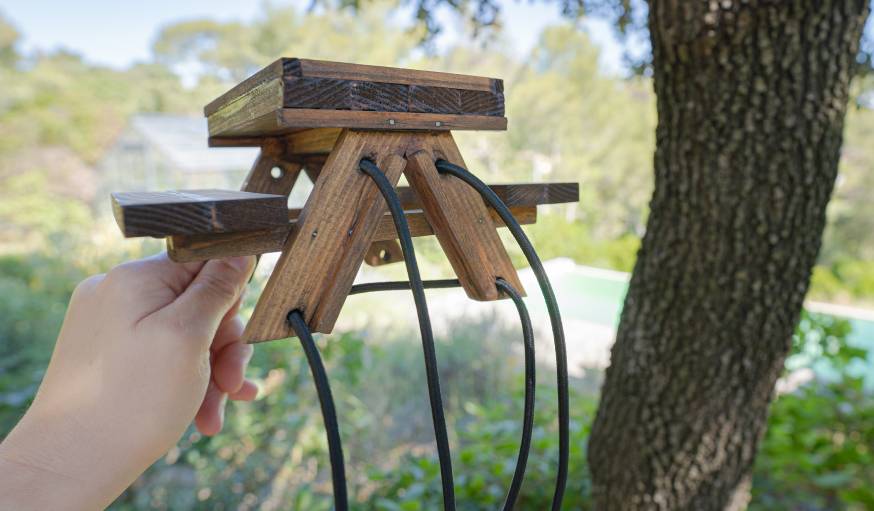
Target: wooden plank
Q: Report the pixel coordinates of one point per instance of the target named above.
(288, 120)
(161, 214)
(512, 195)
(318, 264)
(270, 72)
(460, 220)
(351, 96)
(334, 94)
(313, 141)
(521, 194)
(201, 247)
(260, 100)
(338, 85)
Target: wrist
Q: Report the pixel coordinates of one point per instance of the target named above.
(56, 463)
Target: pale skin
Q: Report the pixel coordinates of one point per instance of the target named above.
(144, 350)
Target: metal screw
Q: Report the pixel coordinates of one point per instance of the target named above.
(438, 124)
(391, 121)
(315, 233)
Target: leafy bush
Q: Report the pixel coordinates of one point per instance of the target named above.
(817, 452)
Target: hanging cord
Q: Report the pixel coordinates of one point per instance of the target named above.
(528, 341)
(528, 412)
(498, 205)
(326, 401)
(403, 231)
(402, 285)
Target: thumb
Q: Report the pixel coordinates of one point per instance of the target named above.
(212, 292)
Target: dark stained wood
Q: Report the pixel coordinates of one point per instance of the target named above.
(522, 194)
(306, 68)
(345, 71)
(259, 106)
(332, 94)
(201, 247)
(162, 214)
(460, 220)
(437, 100)
(482, 103)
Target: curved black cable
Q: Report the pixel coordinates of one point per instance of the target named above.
(498, 205)
(528, 412)
(326, 401)
(402, 285)
(439, 421)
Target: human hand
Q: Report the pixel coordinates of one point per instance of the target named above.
(143, 351)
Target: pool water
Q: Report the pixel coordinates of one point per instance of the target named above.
(596, 296)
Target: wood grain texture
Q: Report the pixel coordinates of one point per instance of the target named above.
(335, 228)
(306, 68)
(460, 220)
(160, 214)
(202, 247)
(313, 141)
(332, 94)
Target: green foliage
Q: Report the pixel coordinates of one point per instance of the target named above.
(817, 452)
(9, 37)
(843, 281)
(485, 460)
(551, 235)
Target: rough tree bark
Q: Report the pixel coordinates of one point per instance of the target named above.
(751, 103)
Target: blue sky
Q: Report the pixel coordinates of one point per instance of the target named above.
(117, 33)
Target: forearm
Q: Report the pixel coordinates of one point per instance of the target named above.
(49, 464)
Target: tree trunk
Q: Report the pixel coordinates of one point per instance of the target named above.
(751, 103)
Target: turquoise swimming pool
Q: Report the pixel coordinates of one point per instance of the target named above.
(596, 296)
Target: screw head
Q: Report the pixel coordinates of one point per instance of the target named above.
(438, 124)
(315, 233)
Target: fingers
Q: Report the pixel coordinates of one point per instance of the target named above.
(211, 415)
(229, 331)
(248, 392)
(229, 366)
(212, 293)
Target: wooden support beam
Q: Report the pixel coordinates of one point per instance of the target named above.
(460, 220)
(201, 247)
(336, 226)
